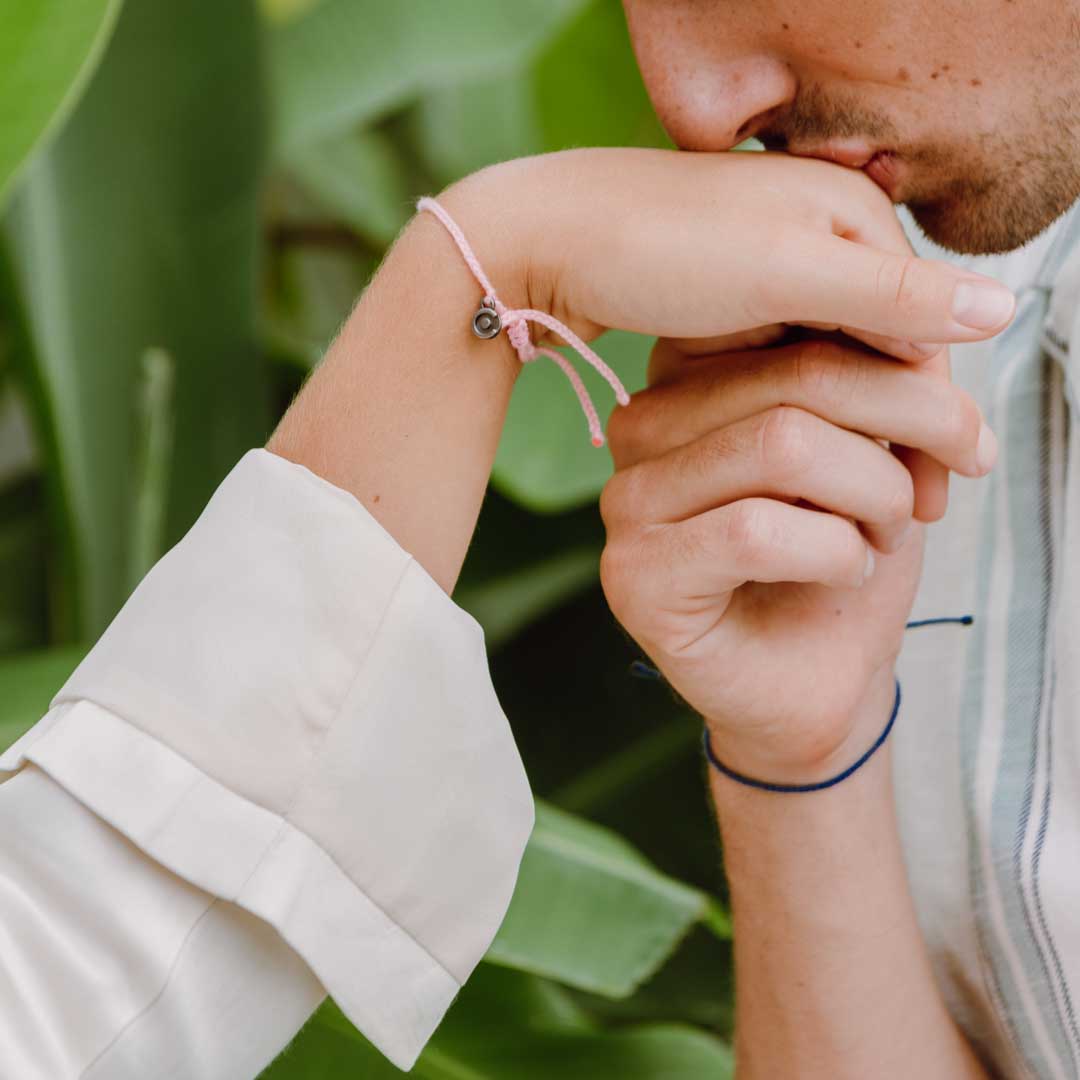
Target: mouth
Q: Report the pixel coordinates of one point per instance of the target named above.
(884, 169)
(882, 166)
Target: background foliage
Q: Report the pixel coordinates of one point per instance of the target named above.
(193, 197)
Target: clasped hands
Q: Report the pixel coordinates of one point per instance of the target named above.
(765, 520)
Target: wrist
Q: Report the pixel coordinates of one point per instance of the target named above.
(809, 750)
(497, 209)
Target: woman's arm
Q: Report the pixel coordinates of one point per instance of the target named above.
(406, 410)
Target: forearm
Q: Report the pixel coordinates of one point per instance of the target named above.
(406, 410)
(832, 974)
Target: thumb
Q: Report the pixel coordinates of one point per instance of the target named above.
(829, 279)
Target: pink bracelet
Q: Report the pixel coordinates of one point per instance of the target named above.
(493, 315)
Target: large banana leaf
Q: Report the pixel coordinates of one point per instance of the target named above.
(359, 177)
(590, 911)
(545, 460)
(48, 49)
(27, 685)
(137, 229)
(23, 606)
(346, 62)
(507, 1026)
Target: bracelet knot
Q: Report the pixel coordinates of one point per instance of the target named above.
(493, 316)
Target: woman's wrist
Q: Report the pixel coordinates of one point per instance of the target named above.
(406, 409)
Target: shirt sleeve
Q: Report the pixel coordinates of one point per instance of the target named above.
(291, 717)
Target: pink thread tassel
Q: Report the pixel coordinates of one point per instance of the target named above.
(516, 323)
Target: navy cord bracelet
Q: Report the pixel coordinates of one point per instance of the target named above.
(821, 785)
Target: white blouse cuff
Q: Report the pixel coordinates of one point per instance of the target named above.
(292, 715)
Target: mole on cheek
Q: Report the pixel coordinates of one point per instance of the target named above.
(785, 26)
(976, 82)
(903, 75)
(858, 44)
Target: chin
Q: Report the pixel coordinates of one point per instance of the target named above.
(995, 218)
(962, 229)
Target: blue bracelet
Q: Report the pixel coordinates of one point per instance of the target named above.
(821, 785)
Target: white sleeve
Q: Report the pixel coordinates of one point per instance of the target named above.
(289, 716)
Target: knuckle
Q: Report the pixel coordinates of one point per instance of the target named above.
(821, 374)
(746, 533)
(785, 440)
(614, 573)
(628, 427)
(900, 504)
(621, 431)
(623, 497)
(850, 548)
(897, 279)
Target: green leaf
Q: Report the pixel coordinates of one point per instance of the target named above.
(507, 1025)
(359, 178)
(462, 128)
(545, 460)
(504, 605)
(154, 460)
(654, 1052)
(590, 911)
(591, 60)
(48, 50)
(347, 62)
(28, 682)
(23, 602)
(583, 88)
(138, 229)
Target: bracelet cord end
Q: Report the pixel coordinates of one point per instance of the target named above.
(493, 316)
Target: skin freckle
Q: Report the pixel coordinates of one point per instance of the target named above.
(935, 75)
(976, 82)
(903, 75)
(858, 44)
(785, 26)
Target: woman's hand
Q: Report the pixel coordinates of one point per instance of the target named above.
(699, 247)
(750, 490)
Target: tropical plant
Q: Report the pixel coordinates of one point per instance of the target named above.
(194, 195)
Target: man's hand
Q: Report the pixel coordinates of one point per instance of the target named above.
(750, 493)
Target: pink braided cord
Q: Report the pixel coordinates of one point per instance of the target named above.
(516, 323)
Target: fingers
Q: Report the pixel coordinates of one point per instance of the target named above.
(930, 482)
(815, 276)
(705, 557)
(914, 407)
(783, 453)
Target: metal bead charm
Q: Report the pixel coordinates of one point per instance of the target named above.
(486, 322)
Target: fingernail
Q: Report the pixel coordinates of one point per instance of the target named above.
(986, 450)
(926, 350)
(870, 563)
(982, 305)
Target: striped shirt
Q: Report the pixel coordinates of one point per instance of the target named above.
(987, 750)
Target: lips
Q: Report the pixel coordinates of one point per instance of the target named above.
(882, 166)
(883, 169)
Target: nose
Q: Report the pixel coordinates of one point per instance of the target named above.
(713, 103)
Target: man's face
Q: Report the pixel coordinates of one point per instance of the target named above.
(968, 111)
